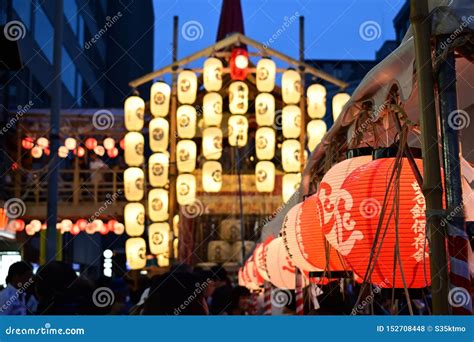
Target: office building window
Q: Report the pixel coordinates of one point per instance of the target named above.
(44, 33)
(23, 9)
(68, 71)
(70, 12)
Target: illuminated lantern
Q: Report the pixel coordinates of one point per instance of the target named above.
(252, 277)
(27, 143)
(35, 225)
(238, 64)
(212, 75)
(265, 109)
(266, 71)
(135, 250)
(290, 155)
(63, 152)
(186, 189)
(265, 176)
(158, 165)
(113, 152)
(158, 238)
(134, 180)
(279, 266)
(90, 143)
(160, 99)
(265, 143)
(47, 151)
(163, 260)
(316, 130)
(134, 215)
(291, 121)
(238, 97)
(187, 87)
(176, 248)
(212, 176)
(66, 226)
(134, 111)
(212, 109)
(70, 143)
(134, 144)
(98, 226)
(119, 228)
(186, 152)
(186, 121)
(29, 230)
(74, 229)
(99, 150)
(316, 95)
(212, 143)
(176, 225)
(259, 260)
(328, 194)
(338, 102)
(42, 142)
(218, 251)
(80, 151)
(363, 193)
(291, 86)
(122, 144)
(111, 225)
(19, 225)
(238, 126)
(90, 228)
(36, 152)
(109, 143)
(237, 250)
(291, 183)
(158, 205)
(81, 223)
(159, 129)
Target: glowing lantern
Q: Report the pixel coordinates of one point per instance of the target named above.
(135, 249)
(134, 111)
(159, 134)
(80, 151)
(279, 266)
(238, 64)
(119, 228)
(63, 152)
(27, 143)
(291, 183)
(122, 144)
(186, 122)
(265, 109)
(134, 179)
(186, 189)
(160, 99)
(363, 193)
(113, 152)
(290, 155)
(158, 166)
(187, 87)
(99, 150)
(238, 126)
(218, 251)
(253, 278)
(212, 109)
(291, 121)
(19, 225)
(316, 130)
(316, 95)
(70, 143)
(90, 143)
(176, 225)
(36, 152)
(35, 225)
(42, 142)
(266, 71)
(109, 143)
(158, 238)
(134, 143)
(265, 176)
(265, 143)
(66, 226)
(186, 152)
(212, 143)
(212, 176)
(97, 226)
(259, 260)
(163, 260)
(212, 76)
(238, 97)
(29, 230)
(291, 86)
(338, 102)
(111, 225)
(90, 228)
(74, 229)
(81, 223)
(134, 214)
(158, 205)
(176, 248)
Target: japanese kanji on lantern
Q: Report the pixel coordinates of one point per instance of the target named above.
(158, 166)
(134, 109)
(160, 94)
(212, 76)
(279, 266)
(158, 238)
(159, 129)
(265, 75)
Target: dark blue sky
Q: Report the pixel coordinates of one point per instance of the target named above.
(335, 29)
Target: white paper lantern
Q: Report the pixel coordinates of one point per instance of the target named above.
(212, 75)
(291, 184)
(212, 176)
(134, 180)
(109, 143)
(291, 121)
(291, 86)
(265, 176)
(280, 269)
(186, 152)
(265, 109)
(36, 152)
(63, 152)
(186, 189)
(266, 71)
(158, 165)
(187, 87)
(238, 126)
(176, 225)
(290, 155)
(316, 96)
(42, 142)
(70, 143)
(176, 248)
(212, 143)
(158, 238)
(160, 94)
(159, 130)
(238, 97)
(316, 130)
(134, 111)
(212, 109)
(186, 121)
(338, 102)
(66, 226)
(158, 205)
(99, 150)
(218, 251)
(134, 216)
(135, 250)
(265, 143)
(134, 143)
(163, 260)
(259, 260)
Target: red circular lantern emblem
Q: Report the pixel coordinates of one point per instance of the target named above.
(238, 64)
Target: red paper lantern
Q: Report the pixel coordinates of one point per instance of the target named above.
(361, 203)
(81, 223)
(112, 153)
(255, 280)
(75, 229)
(238, 64)
(90, 143)
(259, 258)
(80, 151)
(122, 144)
(27, 143)
(280, 268)
(19, 225)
